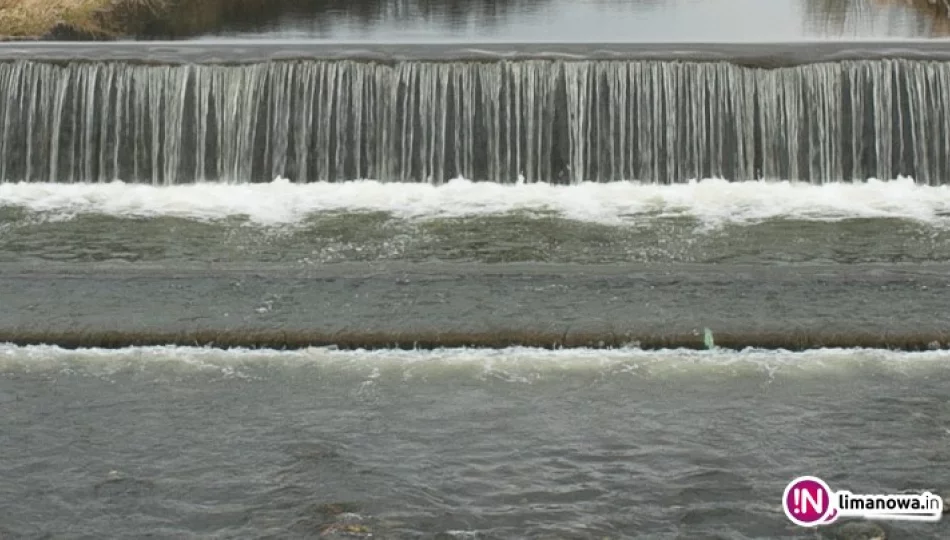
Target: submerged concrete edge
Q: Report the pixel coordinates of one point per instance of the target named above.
(763, 55)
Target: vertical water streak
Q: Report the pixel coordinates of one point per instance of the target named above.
(277, 131)
(106, 110)
(57, 113)
(576, 81)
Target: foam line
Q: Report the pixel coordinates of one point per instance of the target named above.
(281, 202)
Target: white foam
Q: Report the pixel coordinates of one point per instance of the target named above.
(45, 356)
(515, 365)
(711, 201)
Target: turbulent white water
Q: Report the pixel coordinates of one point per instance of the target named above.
(711, 201)
(516, 362)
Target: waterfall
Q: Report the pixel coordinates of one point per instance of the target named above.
(428, 121)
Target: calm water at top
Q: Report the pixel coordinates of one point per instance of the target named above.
(587, 20)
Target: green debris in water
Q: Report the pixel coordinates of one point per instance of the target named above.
(708, 339)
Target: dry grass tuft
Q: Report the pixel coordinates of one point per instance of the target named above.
(79, 19)
(111, 19)
(937, 10)
(37, 18)
(837, 11)
(936, 7)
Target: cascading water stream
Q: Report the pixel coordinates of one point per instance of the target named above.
(428, 121)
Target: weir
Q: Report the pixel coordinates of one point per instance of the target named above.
(551, 119)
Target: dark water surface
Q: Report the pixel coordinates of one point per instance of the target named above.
(468, 444)
(583, 20)
(633, 300)
(192, 443)
(476, 257)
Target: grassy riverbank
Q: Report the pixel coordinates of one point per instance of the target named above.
(39, 18)
(939, 10)
(111, 19)
(82, 19)
(837, 14)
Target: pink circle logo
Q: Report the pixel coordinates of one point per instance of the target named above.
(808, 502)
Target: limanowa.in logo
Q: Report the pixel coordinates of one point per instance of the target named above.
(809, 502)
